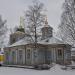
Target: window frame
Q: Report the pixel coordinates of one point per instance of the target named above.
(28, 53)
(60, 53)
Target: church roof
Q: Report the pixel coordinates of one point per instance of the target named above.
(24, 41)
(28, 40)
(51, 40)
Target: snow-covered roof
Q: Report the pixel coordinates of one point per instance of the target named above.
(24, 41)
(28, 40)
(51, 40)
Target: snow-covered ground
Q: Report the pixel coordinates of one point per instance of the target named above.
(56, 70)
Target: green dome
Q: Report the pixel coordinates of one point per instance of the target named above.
(20, 29)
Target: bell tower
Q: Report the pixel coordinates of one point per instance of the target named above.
(47, 31)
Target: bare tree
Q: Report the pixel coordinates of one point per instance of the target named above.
(67, 26)
(34, 18)
(3, 30)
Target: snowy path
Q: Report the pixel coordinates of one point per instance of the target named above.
(20, 71)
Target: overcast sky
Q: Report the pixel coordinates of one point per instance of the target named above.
(11, 10)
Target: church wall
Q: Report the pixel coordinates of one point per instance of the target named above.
(12, 55)
(56, 56)
(9, 57)
(67, 54)
(6, 53)
(21, 55)
(52, 55)
(31, 55)
(41, 55)
(36, 56)
(25, 55)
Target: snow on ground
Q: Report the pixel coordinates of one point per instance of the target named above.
(56, 70)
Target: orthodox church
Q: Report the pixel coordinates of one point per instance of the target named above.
(21, 50)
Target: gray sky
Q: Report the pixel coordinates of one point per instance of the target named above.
(11, 10)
